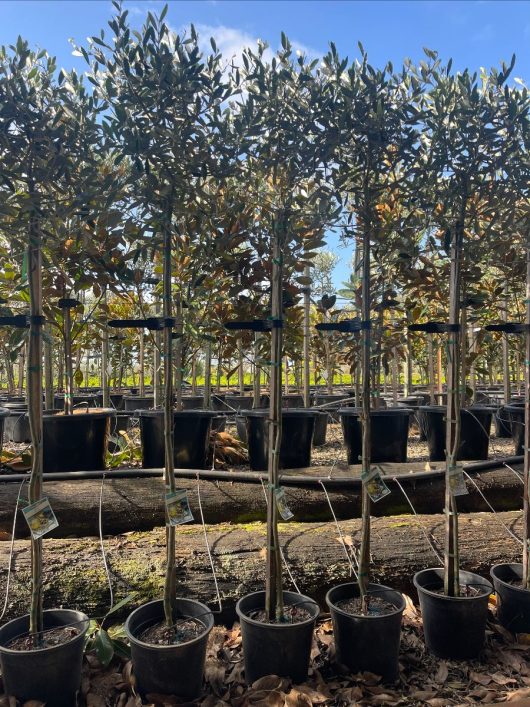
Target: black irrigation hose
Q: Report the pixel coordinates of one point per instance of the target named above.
(254, 477)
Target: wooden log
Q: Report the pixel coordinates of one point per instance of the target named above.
(137, 504)
(75, 577)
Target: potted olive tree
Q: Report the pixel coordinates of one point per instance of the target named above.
(284, 172)
(41, 652)
(462, 163)
(164, 111)
(377, 116)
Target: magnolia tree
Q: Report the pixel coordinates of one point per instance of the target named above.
(45, 125)
(376, 157)
(164, 115)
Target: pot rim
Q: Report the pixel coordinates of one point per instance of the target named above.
(208, 614)
(178, 413)
(85, 621)
(277, 627)
(502, 581)
(383, 412)
(340, 611)
(472, 408)
(483, 582)
(5, 412)
(286, 412)
(82, 413)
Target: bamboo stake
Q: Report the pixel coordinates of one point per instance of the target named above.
(364, 556)
(68, 367)
(307, 336)
(526, 452)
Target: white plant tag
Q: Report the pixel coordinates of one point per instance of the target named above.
(178, 508)
(375, 486)
(281, 504)
(40, 518)
(457, 483)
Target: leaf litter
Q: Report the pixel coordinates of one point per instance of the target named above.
(502, 675)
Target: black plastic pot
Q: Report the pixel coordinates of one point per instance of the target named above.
(516, 417)
(122, 423)
(135, 402)
(192, 402)
(513, 603)
(16, 423)
(321, 428)
(241, 428)
(276, 649)
(219, 423)
(191, 436)
(293, 400)
(475, 433)
(367, 642)
(169, 670)
(390, 429)
(323, 399)
(297, 437)
(116, 400)
(503, 428)
(89, 399)
(238, 402)
(454, 627)
(50, 675)
(76, 442)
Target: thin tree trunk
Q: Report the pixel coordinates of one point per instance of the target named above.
(21, 368)
(440, 371)
(207, 398)
(241, 370)
(451, 555)
(526, 504)
(506, 352)
(364, 554)
(68, 367)
(273, 588)
(307, 336)
(141, 363)
(34, 390)
(105, 383)
(395, 375)
(169, 477)
(257, 374)
(48, 368)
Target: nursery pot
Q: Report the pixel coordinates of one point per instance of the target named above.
(192, 402)
(169, 670)
(503, 428)
(327, 399)
(297, 436)
(136, 402)
(15, 422)
(76, 442)
(51, 675)
(238, 402)
(454, 627)
(474, 437)
(219, 423)
(276, 649)
(516, 416)
(390, 429)
(513, 602)
(191, 437)
(321, 428)
(293, 400)
(121, 423)
(89, 399)
(367, 642)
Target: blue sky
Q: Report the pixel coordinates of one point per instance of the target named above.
(474, 33)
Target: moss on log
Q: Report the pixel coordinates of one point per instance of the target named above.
(74, 574)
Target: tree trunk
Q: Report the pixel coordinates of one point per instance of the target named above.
(141, 363)
(48, 368)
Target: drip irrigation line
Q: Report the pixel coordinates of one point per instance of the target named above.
(102, 545)
(514, 471)
(218, 594)
(253, 477)
(293, 580)
(343, 542)
(508, 530)
(11, 550)
(420, 524)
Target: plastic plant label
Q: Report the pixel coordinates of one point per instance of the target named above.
(178, 508)
(40, 518)
(281, 504)
(375, 486)
(457, 483)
